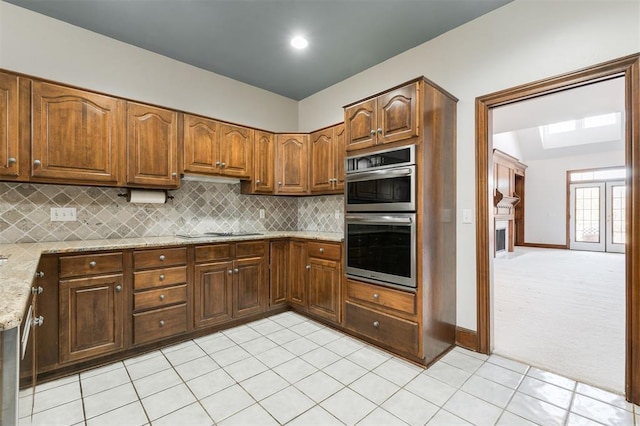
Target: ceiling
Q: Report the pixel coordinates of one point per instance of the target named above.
(517, 126)
(248, 40)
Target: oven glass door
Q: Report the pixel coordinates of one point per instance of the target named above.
(381, 249)
(382, 190)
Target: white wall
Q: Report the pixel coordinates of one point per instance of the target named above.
(35, 44)
(521, 42)
(545, 194)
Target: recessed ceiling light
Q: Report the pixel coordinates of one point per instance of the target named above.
(299, 42)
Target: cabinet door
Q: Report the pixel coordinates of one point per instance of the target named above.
(9, 130)
(322, 161)
(248, 284)
(292, 164)
(201, 149)
(263, 162)
(152, 146)
(213, 296)
(236, 151)
(339, 145)
(91, 317)
(297, 291)
(324, 288)
(360, 121)
(278, 276)
(77, 135)
(398, 114)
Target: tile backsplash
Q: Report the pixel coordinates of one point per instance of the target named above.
(196, 207)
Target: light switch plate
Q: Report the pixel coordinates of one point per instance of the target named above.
(467, 216)
(63, 214)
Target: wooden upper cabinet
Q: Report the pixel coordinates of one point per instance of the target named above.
(361, 123)
(339, 145)
(201, 150)
(9, 145)
(292, 164)
(322, 164)
(236, 151)
(389, 117)
(76, 135)
(152, 146)
(263, 162)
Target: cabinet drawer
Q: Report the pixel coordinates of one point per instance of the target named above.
(324, 250)
(159, 277)
(90, 264)
(161, 258)
(382, 296)
(397, 333)
(159, 323)
(159, 297)
(250, 248)
(214, 252)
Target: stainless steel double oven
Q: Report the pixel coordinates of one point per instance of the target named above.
(380, 220)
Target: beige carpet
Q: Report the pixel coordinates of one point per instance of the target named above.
(562, 311)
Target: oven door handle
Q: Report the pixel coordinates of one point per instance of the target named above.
(378, 219)
(355, 177)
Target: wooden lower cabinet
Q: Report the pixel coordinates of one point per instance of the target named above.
(278, 272)
(248, 284)
(91, 317)
(324, 288)
(159, 323)
(297, 291)
(212, 294)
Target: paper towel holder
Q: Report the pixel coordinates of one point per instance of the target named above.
(128, 194)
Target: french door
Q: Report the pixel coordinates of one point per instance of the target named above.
(597, 216)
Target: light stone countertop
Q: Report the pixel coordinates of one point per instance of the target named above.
(17, 272)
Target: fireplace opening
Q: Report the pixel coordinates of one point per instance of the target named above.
(501, 240)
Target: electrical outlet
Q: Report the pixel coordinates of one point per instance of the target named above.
(262, 213)
(63, 214)
(466, 216)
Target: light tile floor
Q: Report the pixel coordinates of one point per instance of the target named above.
(288, 369)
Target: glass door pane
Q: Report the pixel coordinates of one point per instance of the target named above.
(616, 219)
(587, 215)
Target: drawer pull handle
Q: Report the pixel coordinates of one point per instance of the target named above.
(229, 272)
(376, 296)
(321, 250)
(162, 297)
(92, 264)
(162, 257)
(161, 323)
(376, 324)
(118, 288)
(39, 274)
(38, 321)
(161, 277)
(236, 270)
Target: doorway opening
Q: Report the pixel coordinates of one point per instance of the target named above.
(629, 69)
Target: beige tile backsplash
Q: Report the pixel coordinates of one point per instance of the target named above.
(196, 207)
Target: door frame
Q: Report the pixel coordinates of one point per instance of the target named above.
(629, 68)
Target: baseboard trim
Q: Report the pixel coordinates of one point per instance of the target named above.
(541, 245)
(467, 339)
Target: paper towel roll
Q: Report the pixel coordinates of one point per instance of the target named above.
(147, 196)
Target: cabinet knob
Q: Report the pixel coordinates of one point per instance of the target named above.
(162, 257)
(38, 321)
(376, 324)
(379, 130)
(223, 165)
(308, 266)
(258, 181)
(36, 290)
(236, 270)
(92, 264)
(279, 183)
(376, 296)
(373, 132)
(40, 274)
(217, 163)
(162, 297)
(229, 272)
(161, 277)
(11, 161)
(161, 323)
(118, 288)
(321, 250)
(174, 175)
(37, 163)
